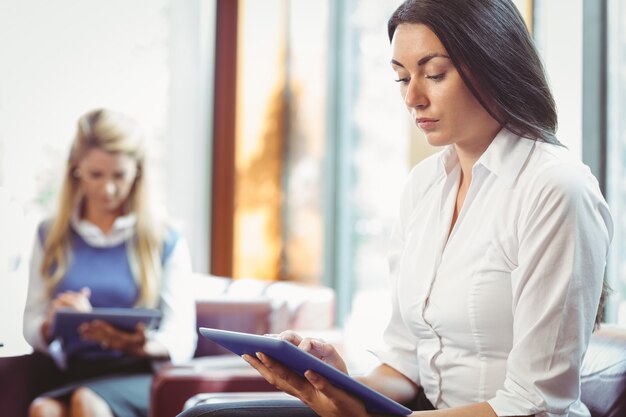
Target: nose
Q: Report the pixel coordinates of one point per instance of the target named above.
(414, 96)
(110, 188)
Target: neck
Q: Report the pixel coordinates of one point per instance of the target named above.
(470, 151)
(103, 219)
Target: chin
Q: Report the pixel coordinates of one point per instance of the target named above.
(434, 139)
(112, 207)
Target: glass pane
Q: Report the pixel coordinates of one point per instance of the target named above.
(281, 124)
(306, 154)
(558, 35)
(378, 160)
(616, 156)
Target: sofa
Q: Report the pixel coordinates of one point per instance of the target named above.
(604, 373)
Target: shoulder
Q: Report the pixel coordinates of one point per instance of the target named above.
(557, 184)
(43, 229)
(554, 171)
(171, 239)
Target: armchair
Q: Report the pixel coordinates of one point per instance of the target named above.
(603, 382)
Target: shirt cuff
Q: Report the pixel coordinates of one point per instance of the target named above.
(514, 401)
(180, 349)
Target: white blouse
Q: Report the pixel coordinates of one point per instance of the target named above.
(176, 331)
(502, 310)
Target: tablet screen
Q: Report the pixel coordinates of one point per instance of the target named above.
(66, 321)
(300, 361)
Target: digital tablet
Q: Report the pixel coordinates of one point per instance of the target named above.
(300, 361)
(65, 322)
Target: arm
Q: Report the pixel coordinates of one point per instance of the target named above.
(39, 308)
(37, 302)
(391, 383)
(563, 232)
(176, 334)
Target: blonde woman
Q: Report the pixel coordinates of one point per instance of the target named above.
(107, 247)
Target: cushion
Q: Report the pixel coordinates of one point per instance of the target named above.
(603, 381)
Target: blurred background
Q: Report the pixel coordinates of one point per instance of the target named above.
(277, 134)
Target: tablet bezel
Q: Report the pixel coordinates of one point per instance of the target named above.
(65, 322)
(300, 361)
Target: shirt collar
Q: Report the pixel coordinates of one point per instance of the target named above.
(123, 228)
(448, 160)
(505, 156)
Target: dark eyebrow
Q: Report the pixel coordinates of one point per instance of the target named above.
(429, 57)
(423, 60)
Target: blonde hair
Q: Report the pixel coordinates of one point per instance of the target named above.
(112, 132)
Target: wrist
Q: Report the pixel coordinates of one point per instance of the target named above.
(137, 348)
(45, 328)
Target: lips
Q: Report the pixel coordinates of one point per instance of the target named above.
(425, 123)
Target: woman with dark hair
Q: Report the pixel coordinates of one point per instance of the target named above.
(498, 256)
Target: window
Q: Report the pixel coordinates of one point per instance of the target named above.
(372, 149)
(558, 34)
(616, 156)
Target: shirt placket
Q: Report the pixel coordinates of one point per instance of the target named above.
(446, 209)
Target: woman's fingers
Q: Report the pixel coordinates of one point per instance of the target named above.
(278, 375)
(325, 352)
(110, 337)
(321, 384)
(78, 300)
(314, 390)
(291, 337)
(334, 401)
(69, 299)
(96, 330)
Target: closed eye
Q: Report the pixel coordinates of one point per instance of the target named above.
(403, 80)
(436, 77)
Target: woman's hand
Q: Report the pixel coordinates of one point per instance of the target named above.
(316, 347)
(313, 389)
(110, 337)
(75, 300)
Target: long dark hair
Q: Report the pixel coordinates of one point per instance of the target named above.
(491, 48)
